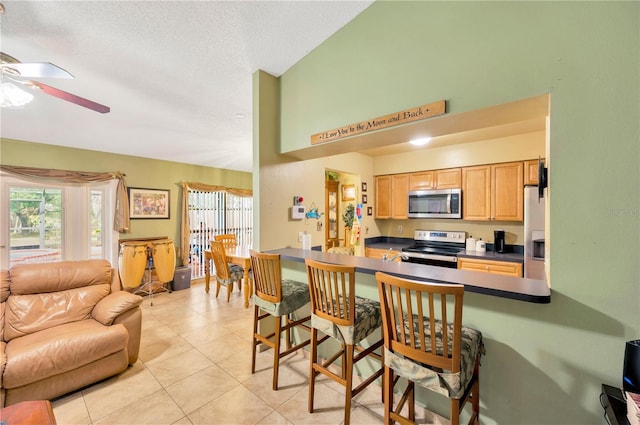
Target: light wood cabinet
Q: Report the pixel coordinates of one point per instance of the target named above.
(379, 253)
(493, 192)
(332, 236)
(392, 196)
(421, 181)
(437, 179)
(383, 197)
(531, 172)
(505, 268)
(448, 179)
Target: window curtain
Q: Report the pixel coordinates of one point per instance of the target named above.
(121, 216)
(184, 222)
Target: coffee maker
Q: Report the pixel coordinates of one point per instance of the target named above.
(498, 241)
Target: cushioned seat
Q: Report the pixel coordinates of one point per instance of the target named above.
(279, 299)
(418, 347)
(338, 313)
(226, 274)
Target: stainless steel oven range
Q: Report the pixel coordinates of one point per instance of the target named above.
(435, 248)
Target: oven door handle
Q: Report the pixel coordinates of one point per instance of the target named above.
(448, 258)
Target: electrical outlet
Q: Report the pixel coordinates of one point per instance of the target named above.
(299, 236)
(400, 229)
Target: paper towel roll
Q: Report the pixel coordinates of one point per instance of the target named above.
(306, 241)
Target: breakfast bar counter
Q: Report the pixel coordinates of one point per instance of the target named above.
(528, 290)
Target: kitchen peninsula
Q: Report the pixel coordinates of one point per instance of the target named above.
(522, 289)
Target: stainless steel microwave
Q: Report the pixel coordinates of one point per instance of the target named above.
(437, 203)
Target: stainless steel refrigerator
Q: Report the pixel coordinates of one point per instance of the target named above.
(534, 251)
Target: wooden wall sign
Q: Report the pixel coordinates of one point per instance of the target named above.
(402, 117)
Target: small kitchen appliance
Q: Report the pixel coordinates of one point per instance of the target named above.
(498, 241)
(438, 203)
(435, 248)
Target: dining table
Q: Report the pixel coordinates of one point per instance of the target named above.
(240, 255)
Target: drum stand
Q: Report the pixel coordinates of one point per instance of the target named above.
(147, 287)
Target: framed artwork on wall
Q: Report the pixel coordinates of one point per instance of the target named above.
(364, 186)
(148, 203)
(348, 192)
(364, 199)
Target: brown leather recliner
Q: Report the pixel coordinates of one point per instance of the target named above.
(63, 326)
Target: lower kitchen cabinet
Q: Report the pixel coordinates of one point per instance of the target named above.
(378, 253)
(506, 268)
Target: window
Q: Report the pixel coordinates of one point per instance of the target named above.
(216, 213)
(53, 222)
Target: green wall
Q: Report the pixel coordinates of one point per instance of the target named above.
(544, 363)
(140, 172)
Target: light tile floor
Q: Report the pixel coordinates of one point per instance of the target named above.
(195, 368)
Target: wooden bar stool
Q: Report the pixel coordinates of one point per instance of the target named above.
(425, 343)
(278, 298)
(337, 312)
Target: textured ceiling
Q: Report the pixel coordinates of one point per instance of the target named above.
(176, 75)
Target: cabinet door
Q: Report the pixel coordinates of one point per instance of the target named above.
(476, 193)
(507, 194)
(383, 197)
(489, 266)
(421, 181)
(332, 237)
(448, 179)
(399, 195)
(531, 172)
(378, 253)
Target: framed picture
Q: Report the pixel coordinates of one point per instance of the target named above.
(369, 210)
(348, 192)
(364, 199)
(364, 186)
(148, 203)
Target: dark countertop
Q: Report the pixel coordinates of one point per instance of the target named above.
(396, 244)
(516, 288)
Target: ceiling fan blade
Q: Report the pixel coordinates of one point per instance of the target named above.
(36, 69)
(61, 94)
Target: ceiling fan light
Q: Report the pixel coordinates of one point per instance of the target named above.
(420, 142)
(11, 96)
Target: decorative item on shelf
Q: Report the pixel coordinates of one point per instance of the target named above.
(332, 176)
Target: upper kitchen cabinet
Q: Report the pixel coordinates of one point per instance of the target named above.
(493, 192)
(531, 172)
(438, 179)
(392, 196)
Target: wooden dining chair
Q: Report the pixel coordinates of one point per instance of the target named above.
(276, 298)
(226, 273)
(228, 240)
(338, 313)
(425, 343)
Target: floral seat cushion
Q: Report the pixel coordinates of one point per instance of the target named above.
(294, 295)
(236, 273)
(442, 381)
(368, 318)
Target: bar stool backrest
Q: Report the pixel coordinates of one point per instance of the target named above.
(266, 276)
(332, 290)
(422, 321)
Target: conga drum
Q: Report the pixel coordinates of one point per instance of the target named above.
(164, 259)
(132, 260)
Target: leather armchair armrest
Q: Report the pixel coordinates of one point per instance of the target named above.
(113, 305)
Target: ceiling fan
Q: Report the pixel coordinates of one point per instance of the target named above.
(18, 72)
